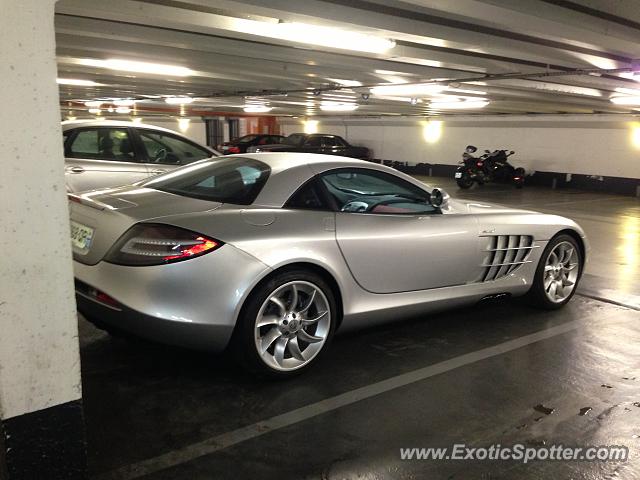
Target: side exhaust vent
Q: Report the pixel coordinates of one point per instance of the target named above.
(506, 253)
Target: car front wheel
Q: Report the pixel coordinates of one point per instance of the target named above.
(286, 323)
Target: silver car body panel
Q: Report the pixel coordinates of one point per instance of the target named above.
(82, 174)
(385, 267)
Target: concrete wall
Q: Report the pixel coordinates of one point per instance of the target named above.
(596, 145)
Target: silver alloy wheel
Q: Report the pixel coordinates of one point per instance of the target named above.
(561, 272)
(292, 325)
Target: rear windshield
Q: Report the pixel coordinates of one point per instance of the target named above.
(227, 180)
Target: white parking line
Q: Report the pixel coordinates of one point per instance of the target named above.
(225, 440)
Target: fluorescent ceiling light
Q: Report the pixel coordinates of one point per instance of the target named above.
(626, 100)
(338, 107)
(459, 104)
(94, 111)
(178, 100)
(345, 83)
(77, 82)
(123, 110)
(409, 89)
(331, 37)
(139, 67)
(628, 91)
(93, 103)
(257, 109)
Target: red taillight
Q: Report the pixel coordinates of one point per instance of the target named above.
(516, 178)
(479, 164)
(233, 150)
(157, 244)
(207, 244)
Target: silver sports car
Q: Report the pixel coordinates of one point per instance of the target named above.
(271, 253)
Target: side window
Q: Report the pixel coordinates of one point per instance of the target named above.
(313, 142)
(102, 144)
(168, 149)
(358, 190)
(328, 142)
(308, 197)
(339, 142)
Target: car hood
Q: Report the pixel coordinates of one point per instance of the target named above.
(111, 212)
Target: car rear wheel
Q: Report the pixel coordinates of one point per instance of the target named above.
(557, 274)
(286, 324)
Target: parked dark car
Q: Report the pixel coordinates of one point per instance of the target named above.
(240, 145)
(316, 143)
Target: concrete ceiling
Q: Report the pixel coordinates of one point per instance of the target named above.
(523, 56)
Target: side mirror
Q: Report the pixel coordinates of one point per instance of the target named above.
(439, 198)
(487, 151)
(511, 152)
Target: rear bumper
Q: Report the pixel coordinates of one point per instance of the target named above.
(194, 303)
(207, 337)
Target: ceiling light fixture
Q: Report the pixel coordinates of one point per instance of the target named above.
(93, 103)
(626, 100)
(178, 100)
(257, 109)
(407, 90)
(338, 107)
(77, 82)
(94, 111)
(138, 67)
(331, 37)
(123, 110)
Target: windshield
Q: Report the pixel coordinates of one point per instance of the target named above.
(294, 139)
(247, 139)
(228, 180)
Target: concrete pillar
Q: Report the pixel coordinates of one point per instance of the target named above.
(40, 391)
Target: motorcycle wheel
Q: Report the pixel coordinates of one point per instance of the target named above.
(465, 182)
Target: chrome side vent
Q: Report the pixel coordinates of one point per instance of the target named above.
(506, 253)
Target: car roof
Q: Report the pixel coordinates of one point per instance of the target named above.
(69, 124)
(315, 134)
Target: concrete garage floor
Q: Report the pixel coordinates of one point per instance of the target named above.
(468, 376)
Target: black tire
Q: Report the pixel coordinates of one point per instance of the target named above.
(465, 182)
(537, 295)
(244, 346)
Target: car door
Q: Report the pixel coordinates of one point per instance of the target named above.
(394, 240)
(98, 157)
(163, 151)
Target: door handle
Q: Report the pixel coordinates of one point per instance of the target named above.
(158, 171)
(75, 169)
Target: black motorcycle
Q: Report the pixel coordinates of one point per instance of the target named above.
(490, 167)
